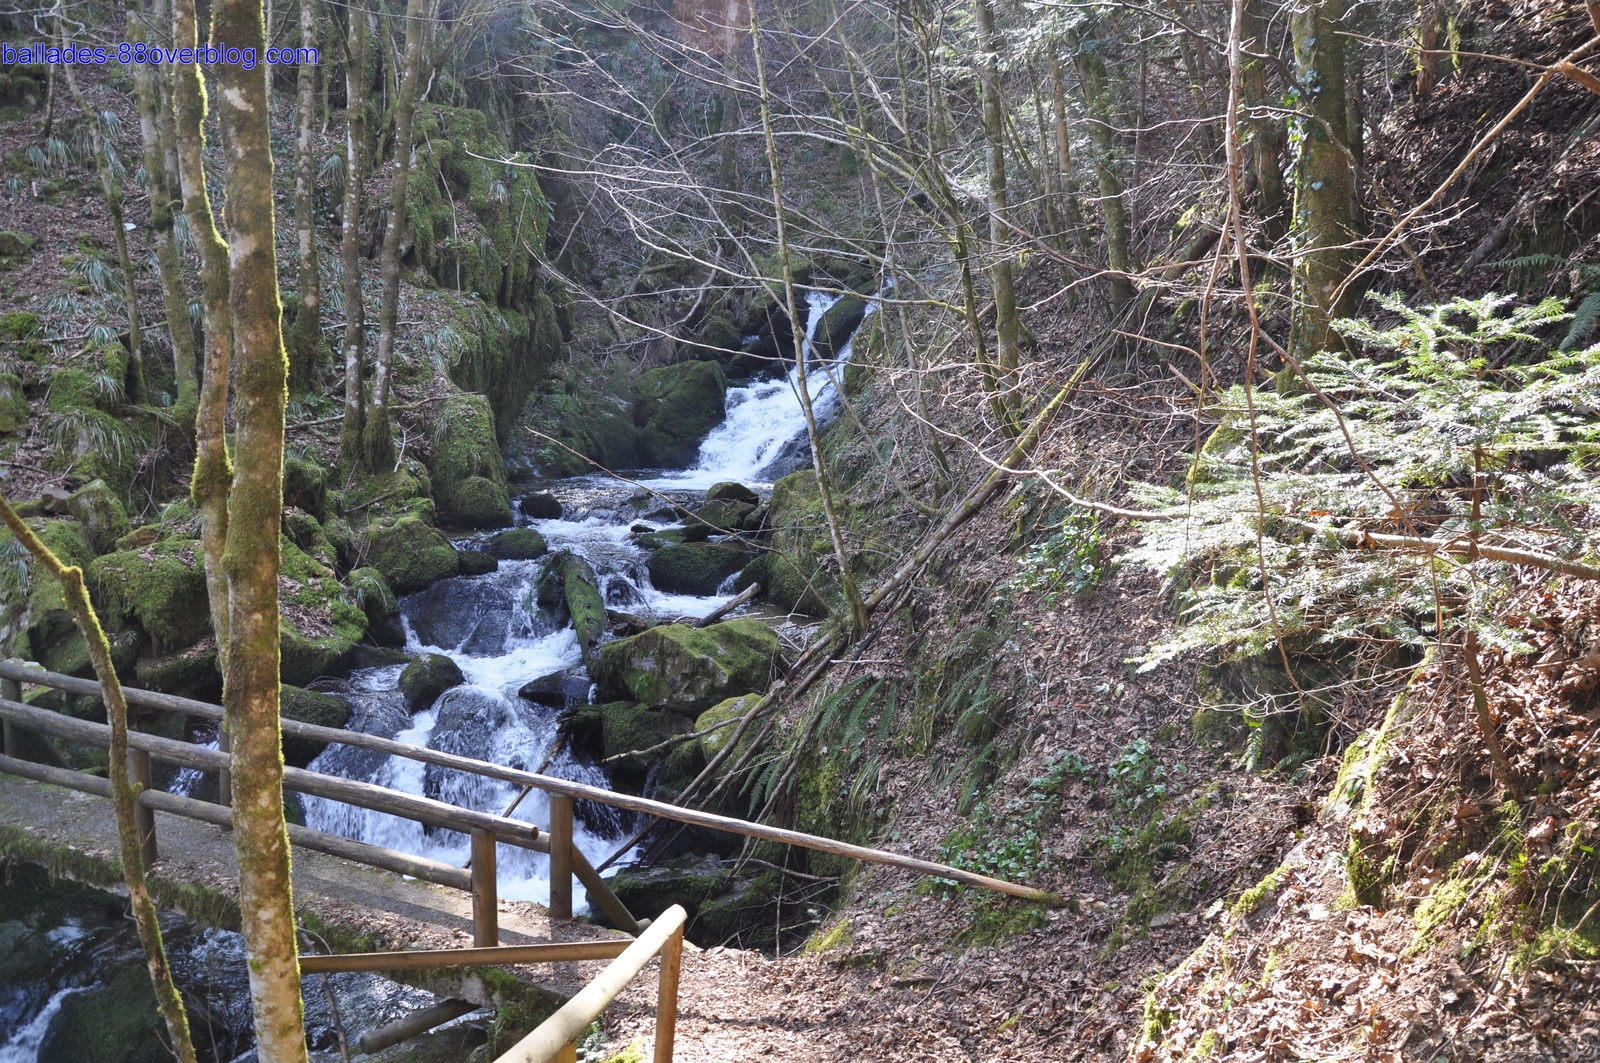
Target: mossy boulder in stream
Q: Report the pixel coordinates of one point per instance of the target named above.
(518, 544)
(161, 586)
(694, 568)
(628, 727)
(410, 554)
(569, 580)
(688, 670)
(112, 1023)
(319, 625)
(309, 706)
(839, 322)
(676, 406)
(426, 677)
(469, 476)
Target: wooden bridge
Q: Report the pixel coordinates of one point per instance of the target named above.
(532, 938)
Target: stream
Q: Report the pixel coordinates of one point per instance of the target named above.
(491, 626)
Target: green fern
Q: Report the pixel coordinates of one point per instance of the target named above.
(1585, 316)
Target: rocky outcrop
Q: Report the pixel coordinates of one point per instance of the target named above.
(675, 406)
(468, 474)
(688, 670)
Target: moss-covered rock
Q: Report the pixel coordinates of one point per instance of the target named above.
(469, 476)
(675, 407)
(517, 544)
(305, 486)
(655, 540)
(580, 594)
(729, 491)
(100, 511)
(42, 615)
(627, 727)
(477, 562)
(540, 505)
(309, 706)
(306, 532)
(796, 577)
(410, 554)
(14, 411)
(719, 716)
(373, 596)
(722, 517)
(686, 669)
(589, 429)
(690, 881)
(694, 568)
(161, 586)
(193, 673)
(21, 335)
(839, 322)
(116, 1022)
(426, 677)
(319, 624)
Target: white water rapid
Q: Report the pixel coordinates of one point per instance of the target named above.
(494, 630)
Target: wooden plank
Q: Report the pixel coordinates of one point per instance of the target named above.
(427, 959)
(549, 784)
(318, 841)
(568, 1024)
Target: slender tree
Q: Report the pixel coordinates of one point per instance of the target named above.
(124, 793)
(377, 434)
(308, 321)
(164, 193)
(355, 175)
(1096, 85)
(1267, 136)
(1007, 323)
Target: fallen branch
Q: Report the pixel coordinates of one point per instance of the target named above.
(729, 606)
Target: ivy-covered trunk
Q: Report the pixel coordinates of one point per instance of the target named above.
(251, 560)
(355, 173)
(377, 434)
(142, 26)
(308, 321)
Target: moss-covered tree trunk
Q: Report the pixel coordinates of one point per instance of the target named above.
(111, 189)
(1096, 86)
(1267, 135)
(1006, 323)
(124, 795)
(355, 175)
(143, 26)
(251, 559)
(1066, 181)
(1323, 226)
(308, 322)
(213, 469)
(377, 435)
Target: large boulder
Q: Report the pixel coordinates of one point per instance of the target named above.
(309, 706)
(14, 410)
(839, 322)
(688, 670)
(716, 727)
(469, 475)
(410, 554)
(795, 572)
(161, 586)
(376, 599)
(729, 491)
(426, 677)
(694, 568)
(305, 486)
(689, 880)
(469, 616)
(518, 544)
(540, 505)
(629, 727)
(98, 509)
(43, 617)
(676, 406)
(319, 624)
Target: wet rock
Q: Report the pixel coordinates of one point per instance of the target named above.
(540, 505)
(628, 727)
(410, 554)
(558, 689)
(569, 581)
(469, 617)
(688, 670)
(690, 881)
(309, 706)
(476, 562)
(469, 724)
(655, 540)
(373, 595)
(113, 1023)
(427, 677)
(676, 406)
(581, 727)
(729, 491)
(694, 568)
(721, 517)
(517, 544)
(839, 322)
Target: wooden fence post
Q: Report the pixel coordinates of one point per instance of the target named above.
(144, 817)
(667, 997)
(560, 856)
(11, 690)
(568, 1053)
(485, 891)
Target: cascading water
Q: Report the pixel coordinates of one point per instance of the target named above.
(492, 627)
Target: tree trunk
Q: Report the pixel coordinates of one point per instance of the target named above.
(124, 796)
(251, 560)
(1267, 134)
(1323, 226)
(213, 467)
(1430, 19)
(142, 26)
(378, 437)
(355, 174)
(1095, 85)
(308, 322)
(111, 189)
(1006, 323)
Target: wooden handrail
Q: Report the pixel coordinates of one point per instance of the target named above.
(428, 959)
(560, 1031)
(550, 784)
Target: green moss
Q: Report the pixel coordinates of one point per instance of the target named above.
(694, 568)
(14, 411)
(518, 544)
(467, 469)
(319, 624)
(688, 669)
(162, 587)
(309, 706)
(1250, 900)
(995, 920)
(627, 726)
(675, 407)
(796, 575)
(426, 677)
(409, 553)
(837, 936)
(372, 594)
